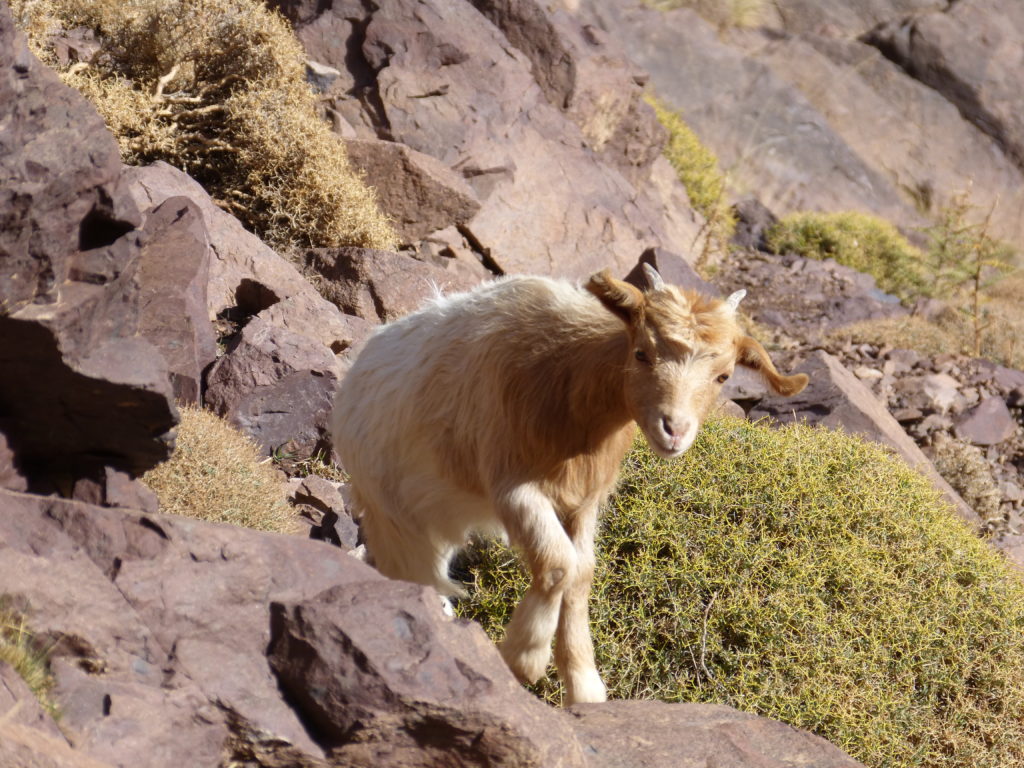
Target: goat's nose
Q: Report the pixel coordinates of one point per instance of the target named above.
(666, 424)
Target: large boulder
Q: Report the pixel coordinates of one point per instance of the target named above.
(766, 133)
(389, 681)
(438, 77)
(277, 386)
(82, 389)
(970, 52)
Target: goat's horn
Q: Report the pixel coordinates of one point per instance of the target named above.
(653, 278)
(734, 300)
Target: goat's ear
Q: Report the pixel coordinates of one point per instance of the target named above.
(622, 298)
(752, 355)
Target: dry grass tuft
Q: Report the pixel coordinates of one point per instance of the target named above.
(807, 576)
(965, 468)
(217, 474)
(26, 656)
(722, 13)
(217, 88)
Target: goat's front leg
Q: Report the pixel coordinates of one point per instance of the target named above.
(574, 649)
(533, 527)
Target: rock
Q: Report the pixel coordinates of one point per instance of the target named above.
(585, 73)
(19, 705)
(380, 285)
(836, 399)
(10, 477)
(277, 386)
(81, 389)
(163, 625)
(420, 194)
(905, 131)
(969, 52)
(173, 273)
(437, 77)
(653, 734)
(843, 18)
(246, 277)
(753, 220)
(801, 162)
(333, 523)
(941, 389)
(386, 679)
(987, 424)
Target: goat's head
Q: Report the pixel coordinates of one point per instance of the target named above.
(683, 347)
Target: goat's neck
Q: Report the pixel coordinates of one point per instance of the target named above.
(596, 369)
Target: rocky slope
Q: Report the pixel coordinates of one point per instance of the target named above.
(502, 137)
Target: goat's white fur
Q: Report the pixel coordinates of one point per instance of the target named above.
(510, 408)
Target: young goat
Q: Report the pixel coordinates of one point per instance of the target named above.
(511, 407)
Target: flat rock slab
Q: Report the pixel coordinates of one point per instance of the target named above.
(988, 423)
(653, 734)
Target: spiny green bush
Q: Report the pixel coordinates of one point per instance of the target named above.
(807, 576)
(865, 243)
(698, 170)
(216, 473)
(20, 649)
(217, 88)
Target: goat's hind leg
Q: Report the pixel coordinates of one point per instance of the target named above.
(574, 649)
(534, 528)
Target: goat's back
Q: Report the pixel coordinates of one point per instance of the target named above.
(449, 387)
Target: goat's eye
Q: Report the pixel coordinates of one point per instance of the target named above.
(642, 356)
(722, 378)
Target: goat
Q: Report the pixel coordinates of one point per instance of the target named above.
(512, 407)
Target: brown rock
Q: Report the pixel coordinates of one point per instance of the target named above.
(420, 194)
(277, 386)
(332, 522)
(808, 166)
(387, 680)
(652, 734)
(173, 274)
(836, 399)
(988, 423)
(969, 52)
(10, 477)
(246, 277)
(845, 18)
(380, 285)
(438, 78)
(80, 388)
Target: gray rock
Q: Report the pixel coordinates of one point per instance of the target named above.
(379, 286)
(420, 194)
(653, 734)
(81, 389)
(277, 386)
(388, 680)
(989, 423)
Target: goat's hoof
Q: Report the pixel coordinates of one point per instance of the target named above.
(527, 665)
(586, 688)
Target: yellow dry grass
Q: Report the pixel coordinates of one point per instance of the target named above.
(217, 473)
(217, 88)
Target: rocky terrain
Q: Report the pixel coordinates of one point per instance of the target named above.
(502, 136)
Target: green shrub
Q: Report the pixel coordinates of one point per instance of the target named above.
(698, 170)
(217, 88)
(807, 576)
(865, 243)
(217, 473)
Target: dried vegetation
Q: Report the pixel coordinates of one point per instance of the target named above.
(217, 88)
